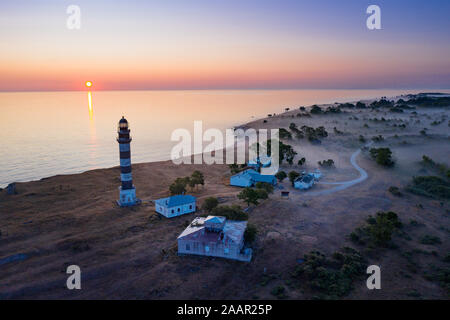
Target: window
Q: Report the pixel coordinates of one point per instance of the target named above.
(207, 248)
(172, 211)
(188, 247)
(226, 250)
(178, 209)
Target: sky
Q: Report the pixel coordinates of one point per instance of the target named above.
(216, 44)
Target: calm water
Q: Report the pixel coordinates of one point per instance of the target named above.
(49, 133)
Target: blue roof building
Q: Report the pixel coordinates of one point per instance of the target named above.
(304, 182)
(175, 205)
(250, 177)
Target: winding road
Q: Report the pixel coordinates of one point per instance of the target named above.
(344, 184)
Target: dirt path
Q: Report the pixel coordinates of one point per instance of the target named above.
(344, 184)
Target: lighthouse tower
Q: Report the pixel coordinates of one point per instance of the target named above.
(127, 195)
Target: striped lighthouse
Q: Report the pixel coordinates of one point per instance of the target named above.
(127, 195)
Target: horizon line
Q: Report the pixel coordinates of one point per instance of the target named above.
(225, 89)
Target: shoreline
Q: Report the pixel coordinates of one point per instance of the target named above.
(244, 126)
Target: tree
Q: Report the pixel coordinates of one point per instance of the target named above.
(382, 156)
(301, 161)
(264, 186)
(262, 194)
(249, 195)
(316, 109)
(210, 203)
(293, 175)
(281, 175)
(179, 185)
(177, 188)
(196, 179)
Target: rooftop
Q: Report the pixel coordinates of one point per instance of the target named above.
(174, 201)
(232, 230)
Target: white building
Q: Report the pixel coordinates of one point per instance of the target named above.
(175, 205)
(304, 182)
(216, 237)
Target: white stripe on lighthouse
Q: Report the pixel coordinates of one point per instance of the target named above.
(124, 147)
(125, 176)
(125, 162)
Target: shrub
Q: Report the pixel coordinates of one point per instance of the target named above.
(332, 276)
(293, 175)
(262, 194)
(431, 240)
(430, 186)
(265, 186)
(279, 292)
(249, 196)
(316, 110)
(301, 161)
(210, 203)
(395, 191)
(281, 175)
(284, 134)
(382, 156)
(378, 230)
(250, 234)
(233, 212)
(326, 163)
(179, 185)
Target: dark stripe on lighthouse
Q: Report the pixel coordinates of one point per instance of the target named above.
(127, 185)
(126, 169)
(125, 154)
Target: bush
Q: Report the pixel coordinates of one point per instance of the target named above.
(279, 292)
(301, 161)
(179, 186)
(281, 175)
(326, 163)
(265, 186)
(284, 134)
(332, 276)
(382, 156)
(430, 240)
(395, 191)
(262, 194)
(293, 175)
(316, 110)
(430, 186)
(233, 212)
(210, 203)
(249, 196)
(250, 234)
(378, 230)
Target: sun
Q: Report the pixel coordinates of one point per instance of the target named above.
(88, 84)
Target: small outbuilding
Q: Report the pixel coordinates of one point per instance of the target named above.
(175, 205)
(304, 182)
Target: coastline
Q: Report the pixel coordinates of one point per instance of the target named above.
(73, 219)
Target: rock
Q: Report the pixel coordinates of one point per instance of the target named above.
(11, 188)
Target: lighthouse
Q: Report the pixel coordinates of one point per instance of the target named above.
(127, 196)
